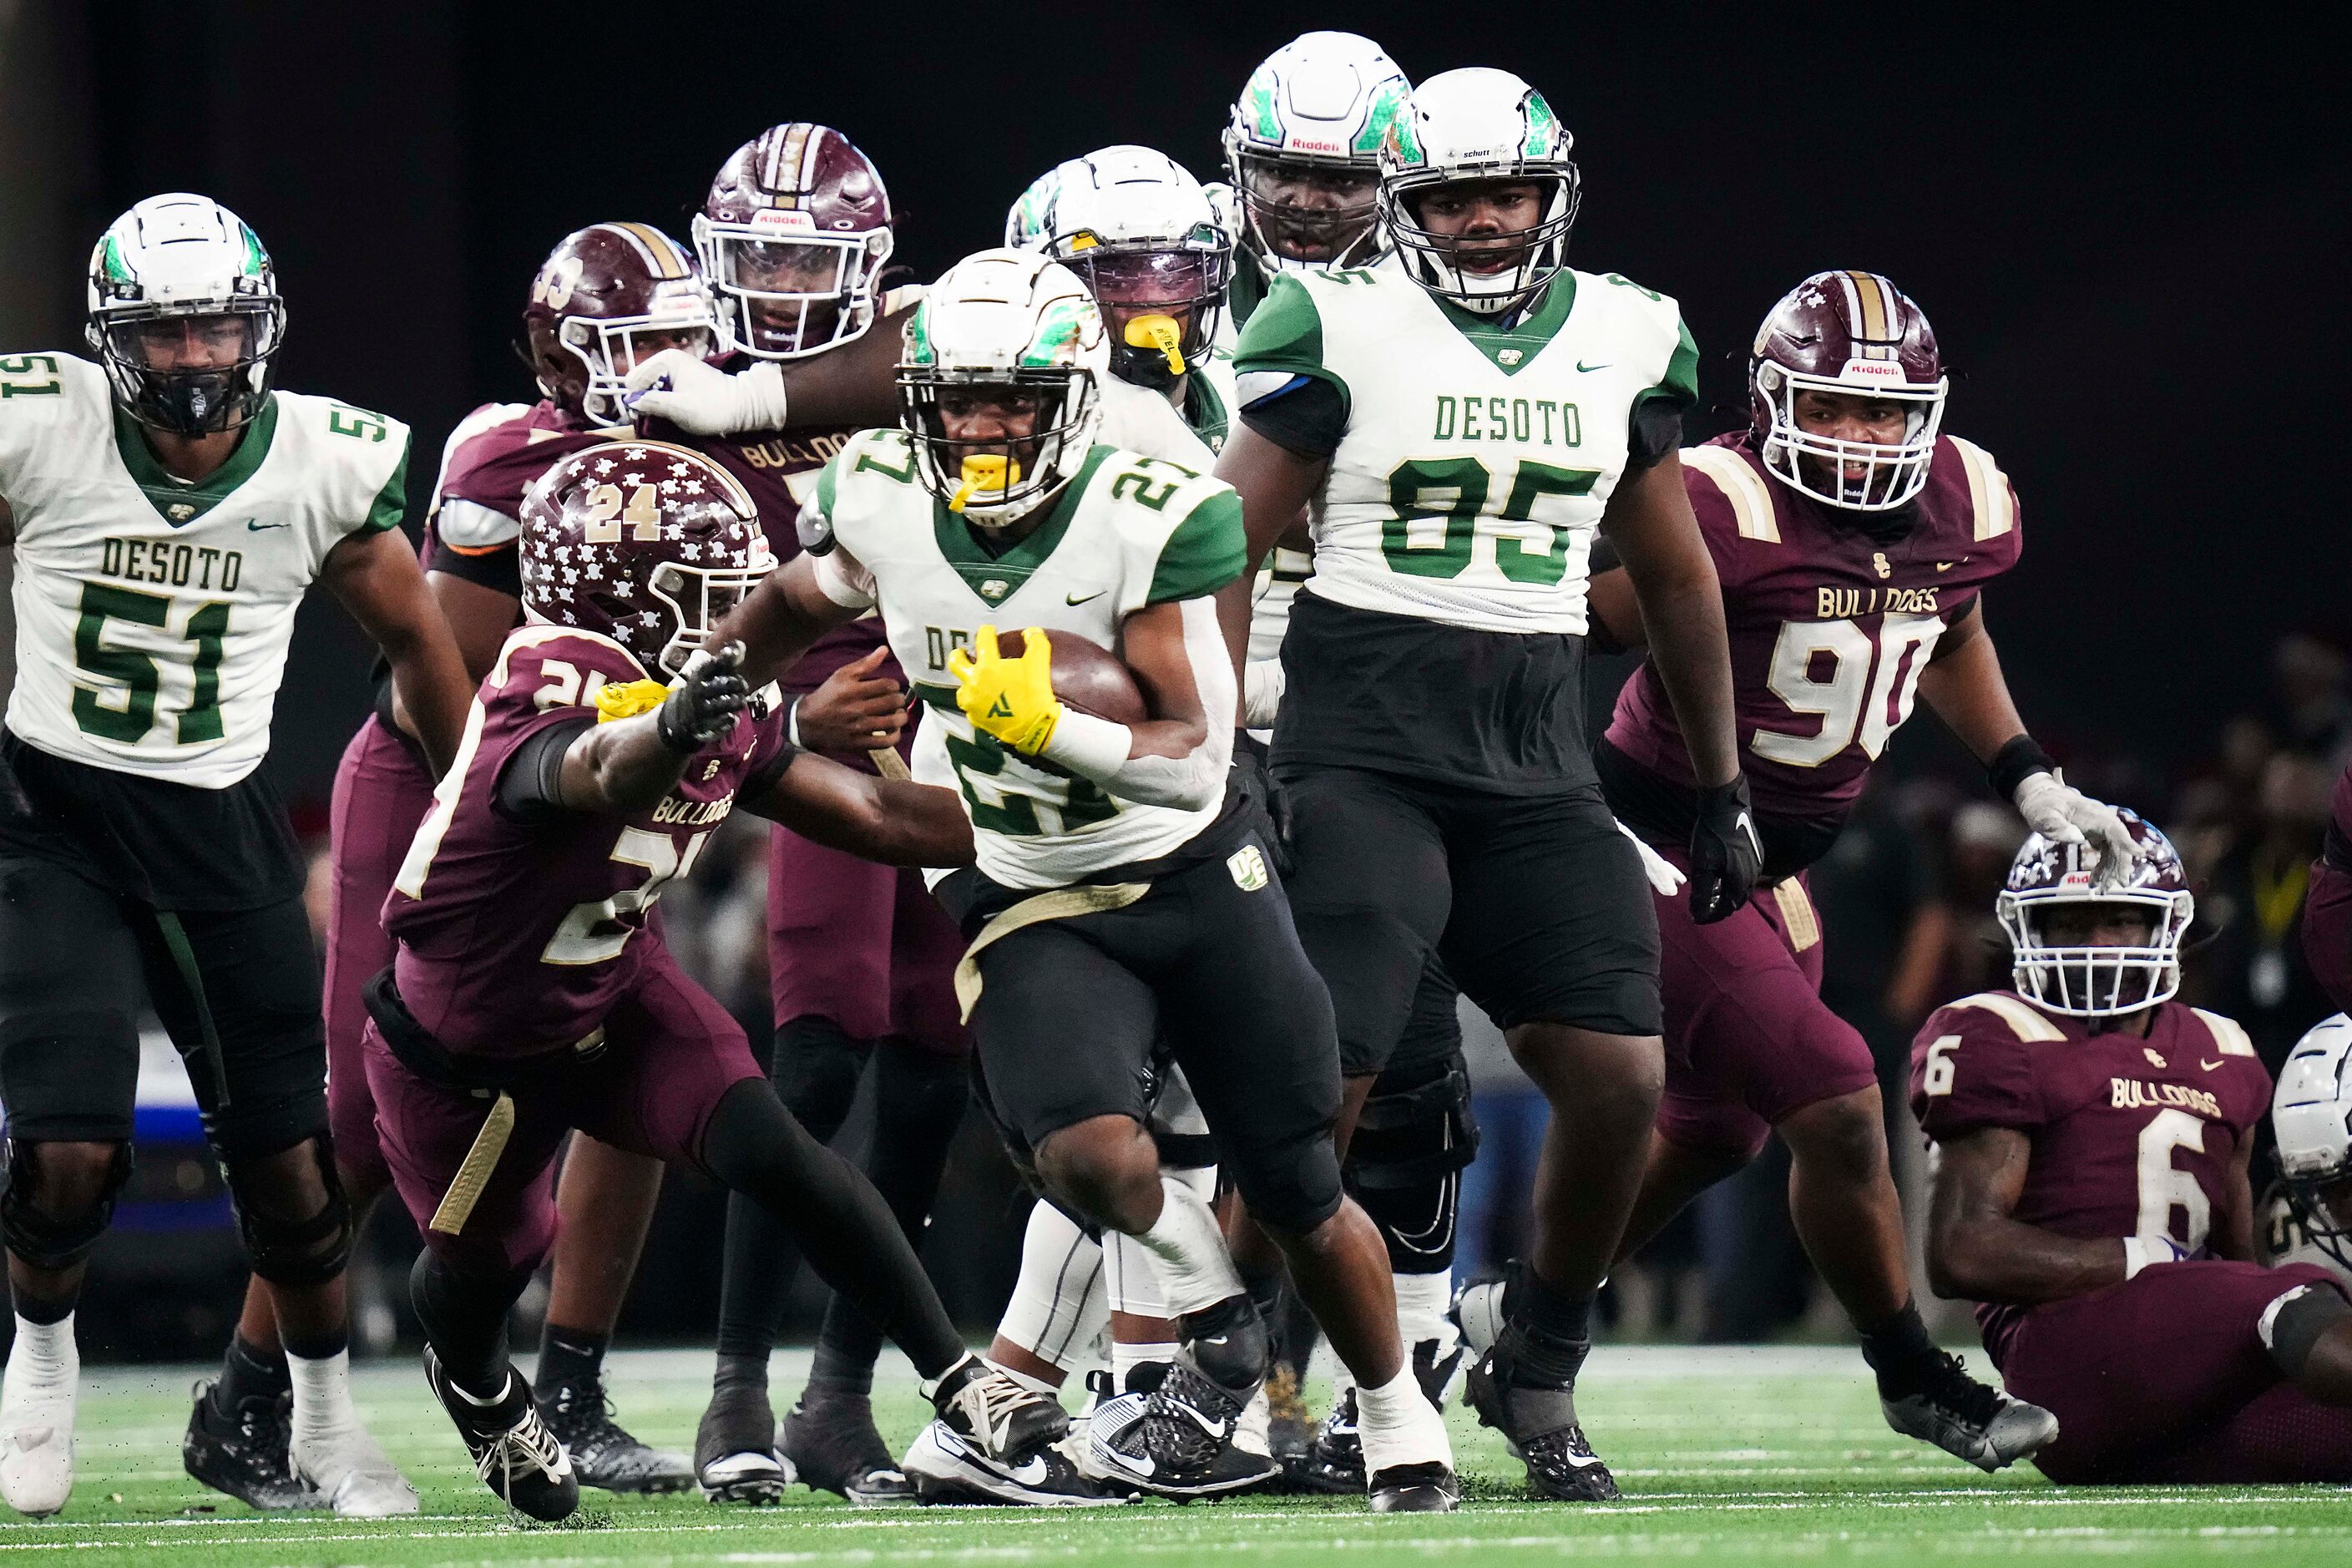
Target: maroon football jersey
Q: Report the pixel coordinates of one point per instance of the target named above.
(1828, 626)
(517, 936)
(2339, 824)
(2131, 1136)
(496, 453)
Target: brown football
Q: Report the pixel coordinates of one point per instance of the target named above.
(1087, 676)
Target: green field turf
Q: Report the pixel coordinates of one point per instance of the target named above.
(1726, 1456)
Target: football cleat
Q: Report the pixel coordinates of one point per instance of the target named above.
(1970, 1420)
(245, 1452)
(1334, 1462)
(835, 1448)
(945, 1470)
(1416, 1488)
(514, 1453)
(1538, 1424)
(736, 1459)
(36, 1445)
(994, 1415)
(604, 1453)
(1171, 1434)
(348, 1470)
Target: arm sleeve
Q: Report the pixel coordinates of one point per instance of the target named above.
(1287, 393)
(1304, 415)
(531, 783)
(498, 567)
(840, 578)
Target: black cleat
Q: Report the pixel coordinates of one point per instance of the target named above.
(603, 1454)
(247, 1452)
(1539, 1424)
(947, 1470)
(514, 1453)
(995, 1416)
(1968, 1419)
(1416, 1488)
(834, 1445)
(1334, 1462)
(736, 1459)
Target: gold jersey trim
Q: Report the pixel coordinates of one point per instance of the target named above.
(1743, 486)
(1989, 497)
(2023, 1020)
(2228, 1034)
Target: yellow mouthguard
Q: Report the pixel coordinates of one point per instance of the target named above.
(1161, 332)
(999, 474)
(626, 700)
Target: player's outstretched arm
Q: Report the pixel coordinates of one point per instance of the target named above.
(1275, 484)
(793, 606)
(1976, 1251)
(626, 765)
(376, 577)
(855, 384)
(889, 820)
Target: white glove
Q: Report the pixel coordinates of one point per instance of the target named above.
(1665, 881)
(2146, 1251)
(2064, 814)
(704, 400)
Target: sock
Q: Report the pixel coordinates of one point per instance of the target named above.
(739, 1371)
(1897, 1348)
(1195, 1270)
(1125, 1359)
(1399, 1427)
(323, 1412)
(1550, 1333)
(45, 1359)
(1421, 1302)
(465, 1320)
(316, 1347)
(841, 1372)
(569, 1355)
(249, 1374)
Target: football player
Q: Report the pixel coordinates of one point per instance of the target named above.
(2307, 1216)
(1463, 417)
(2089, 1192)
(1110, 858)
(1853, 541)
(2328, 907)
(527, 997)
(606, 297)
(167, 510)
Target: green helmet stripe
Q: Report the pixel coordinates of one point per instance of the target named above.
(256, 261)
(1260, 98)
(1057, 332)
(117, 270)
(1388, 98)
(1543, 127)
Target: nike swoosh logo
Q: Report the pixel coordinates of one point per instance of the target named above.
(1748, 827)
(256, 525)
(1030, 1473)
(1215, 1429)
(1587, 369)
(1946, 565)
(1083, 598)
(2209, 1067)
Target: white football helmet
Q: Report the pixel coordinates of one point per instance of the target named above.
(184, 314)
(1479, 124)
(1015, 332)
(2091, 981)
(1302, 151)
(1142, 235)
(2311, 1110)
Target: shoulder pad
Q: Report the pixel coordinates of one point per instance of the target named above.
(1991, 502)
(1743, 489)
(2228, 1034)
(532, 652)
(2023, 1020)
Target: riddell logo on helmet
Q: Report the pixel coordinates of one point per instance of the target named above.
(1296, 143)
(1874, 370)
(791, 218)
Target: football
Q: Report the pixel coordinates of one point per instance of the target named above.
(1087, 676)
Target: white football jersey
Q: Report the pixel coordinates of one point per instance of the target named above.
(1129, 531)
(1138, 419)
(2281, 1237)
(1477, 460)
(152, 616)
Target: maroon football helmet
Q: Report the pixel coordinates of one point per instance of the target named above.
(794, 235)
(2096, 981)
(605, 298)
(649, 543)
(1857, 334)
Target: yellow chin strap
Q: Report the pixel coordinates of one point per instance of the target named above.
(993, 473)
(1161, 332)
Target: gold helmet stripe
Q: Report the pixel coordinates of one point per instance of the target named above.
(1873, 304)
(1743, 486)
(662, 253)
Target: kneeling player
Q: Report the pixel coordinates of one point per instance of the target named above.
(2091, 1195)
(1113, 867)
(527, 999)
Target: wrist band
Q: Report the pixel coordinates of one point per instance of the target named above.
(2015, 763)
(792, 721)
(2135, 1256)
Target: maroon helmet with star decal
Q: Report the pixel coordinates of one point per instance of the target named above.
(793, 236)
(1857, 334)
(649, 543)
(605, 298)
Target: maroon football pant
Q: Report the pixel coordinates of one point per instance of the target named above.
(382, 792)
(862, 944)
(1749, 1039)
(2327, 931)
(2164, 1378)
(670, 1055)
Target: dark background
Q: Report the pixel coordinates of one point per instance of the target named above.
(2126, 235)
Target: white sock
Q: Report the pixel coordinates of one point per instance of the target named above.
(323, 1411)
(1422, 1301)
(1195, 1271)
(45, 1361)
(1126, 1358)
(1398, 1425)
(1057, 1309)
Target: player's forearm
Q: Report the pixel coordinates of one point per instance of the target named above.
(855, 386)
(1693, 655)
(1997, 1259)
(618, 768)
(891, 821)
(431, 691)
(1965, 689)
(1179, 760)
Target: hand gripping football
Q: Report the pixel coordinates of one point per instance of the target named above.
(1086, 676)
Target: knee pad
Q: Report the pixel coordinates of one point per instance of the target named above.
(1416, 1133)
(298, 1252)
(2291, 1325)
(1291, 1186)
(45, 1242)
(815, 1068)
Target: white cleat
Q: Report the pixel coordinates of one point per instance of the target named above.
(352, 1474)
(36, 1434)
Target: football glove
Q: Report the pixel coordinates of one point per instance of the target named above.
(1725, 853)
(2064, 814)
(709, 695)
(703, 400)
(1010, 699)
(1665, 877)
(2146, 1251)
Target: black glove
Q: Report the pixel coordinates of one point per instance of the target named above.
(705, 703)
(1725, 853)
